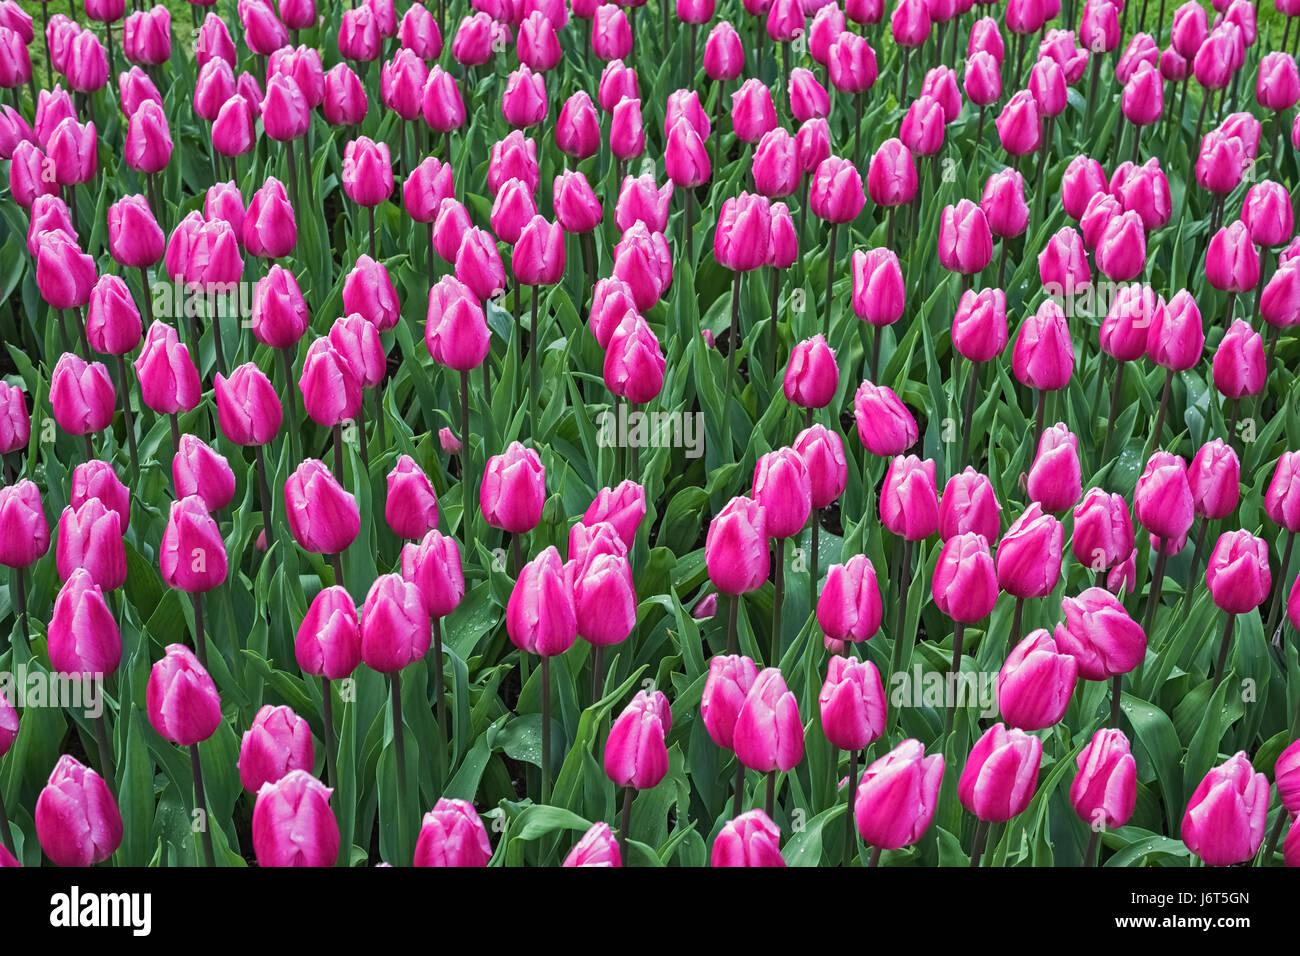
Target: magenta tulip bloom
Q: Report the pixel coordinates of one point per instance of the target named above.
(897, 796)
(293, 824)
(77, 820)
(1226, 816)
(1104, 792)
(181, 698)
(452, 834)
(635, 753)
(1001, 774)
(1036, 683)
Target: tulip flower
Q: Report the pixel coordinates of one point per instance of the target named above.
(1225, 818)
(452, 834)
(77, 820)
(1000, 777)
(293, 824)
(1104, 793)
(750, 839)
(597, 848)
(1239, 581)
(895, 801)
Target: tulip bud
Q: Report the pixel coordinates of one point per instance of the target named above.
(635, 753)
(1001, 772)
(909, 501)
(897, 796)
(1163, 497)
(1226, 816)
(768, 734)
(783, 491)
(1237, 574)
(623, 507)
(1036, 683)
(835, 192)
(1240, 368)
(735, 549)
(248, 407)
(885, 426)
(277, 743)
(328, 643)
(293, 824)
(451, 834)
(83, 636)
(968, 503)
(540, 615)
(1104, 792)
(77, 819)
(323, 518)
(181, 699)
(965, 241)
(879, 293)
(852, 703)
(395, 627)
(1099, 634)
(82, 395)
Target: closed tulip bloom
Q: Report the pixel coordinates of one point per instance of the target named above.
(782, 490)
(634, 361)
(193, 554)
(1227, 814)
(1099, 634)
(539, 253)
(402, 83)
(345, 101)
(851, 63)
(783, 249)
(897, 796)
(49, 213)
(331, 391)
(1063, 263)
(367, 172)
(1036, 683)
(577, 207)
(891, 175)
(622, 508)
(725, 690)
(1019, 125)
(1055, 479)
(642, 260)
(612, 298)
(964, 585)
(1001, 773)
(626, 130)
(1029, 554)
(213, 41)
(270, 228)
(1143, 100)
(513, 489)
(395, 626)
(1278, 85)
(199, 470)
(540, 615)
(603, 593)
(696, 12)
(64, 274)
(357, 341)
(1122, 251)
(1266, 211)
(1213, 476)
(1240, 368)
(641, 199)
(597, 848)
(1123, 332)
(617, 83)
(277, 743)
(1083, 179)
(15, 422)
(849, 606)
(83, 636)
(1048, 86)
(611, 35)
(1282, 499)
(1103, 530)
(735, 549)
(983, 79)
(537, 46)
(808, 98)
(90, 539)
(968, 503)
(328, 642)
(1145, 191)
(1279, 303)
(822, 452)
(743, 232)
(1190, 29)
(812, 376)
(909, 501)
(879, 293)
(965, 241)
(248, 406)
(82, 395)
(279, 312)
(434, 567)
(1003, 204)
(293, 824)
(768, 734)
(835, 193)
(71, 149)
(979, 328)
(750, 839)
(323, 517)
(181, 699)
(852, 703)
(724, 54)
(524, 102)
(1220, 163)
(635, 753)
(478, 263)
(885, 426)
(451, 834)
(77, 820)
(1176, 338)
(24, 531)
(775, 166)
(685, 159)
(86, 62)
(1104, 792)
(752, 111)
(148, 139)
(27, 174)
(577, 130)
(410, 507)
(1163, 497)
(112, 320)
(1238, 575)
(368, 291)
(96, 479)
(1043, 357)
(224, 201)
(1101, 210)
(1231, 261)
(922, 130)
(360, 41)
(215, 85)
(426, 187)
(813, 145)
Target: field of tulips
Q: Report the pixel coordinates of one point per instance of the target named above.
(668, 433)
